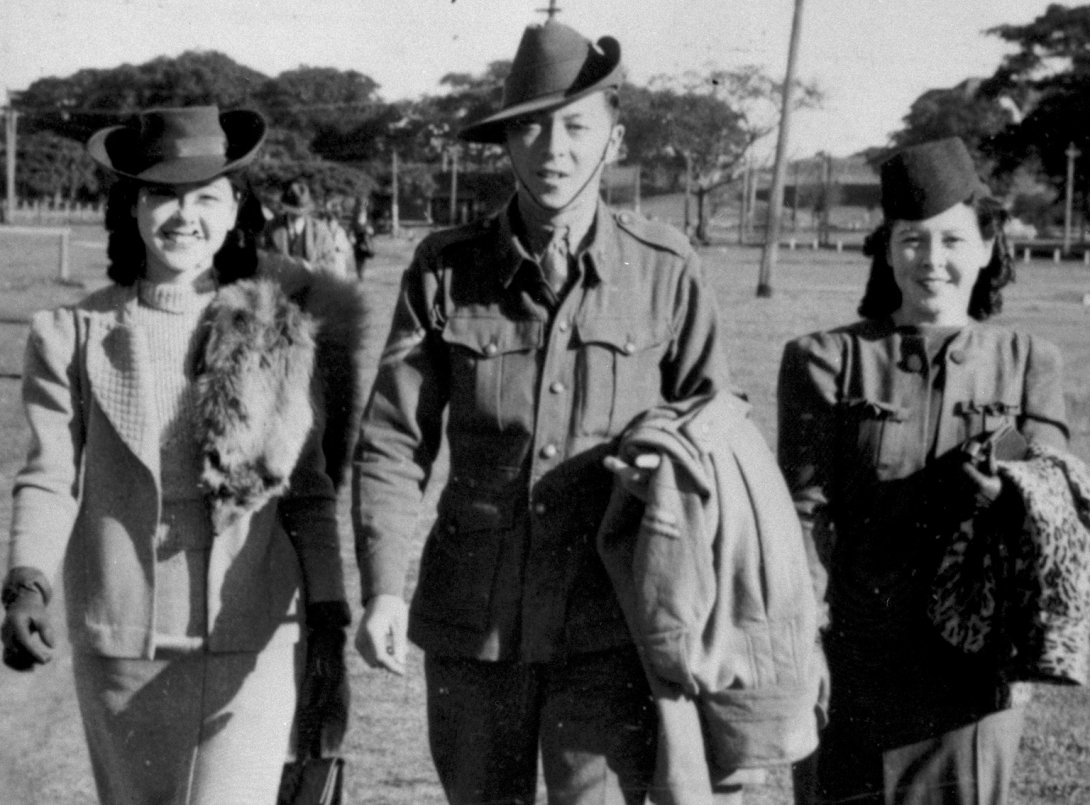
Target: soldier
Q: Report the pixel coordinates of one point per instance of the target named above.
(540, 332)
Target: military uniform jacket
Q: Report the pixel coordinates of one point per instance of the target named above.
(864, 412)
(535, 390)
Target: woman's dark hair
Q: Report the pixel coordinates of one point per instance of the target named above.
(882, 297)
(125, 251)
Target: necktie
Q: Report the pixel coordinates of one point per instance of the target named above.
(554, 262)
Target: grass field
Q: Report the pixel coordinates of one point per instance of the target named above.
(42, 756)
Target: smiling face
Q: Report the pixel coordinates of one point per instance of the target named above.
(183, 226)
(935, 264)
(557, 154)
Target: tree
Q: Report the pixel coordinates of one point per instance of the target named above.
(468, 98)
(1047, 81)
(54, 168)
(962, 111)
(704, 123)
(76, 106)
(315, 100)
(311, 110)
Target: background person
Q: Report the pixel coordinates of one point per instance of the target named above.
(540, 332)
(363, 235)
(872, 418)
(299, 233)
(175, 472)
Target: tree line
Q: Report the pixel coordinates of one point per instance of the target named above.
(1021, 121)
(334, 127)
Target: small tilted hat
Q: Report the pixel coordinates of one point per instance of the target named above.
(554, 65)
(179, 145)
(921, 181)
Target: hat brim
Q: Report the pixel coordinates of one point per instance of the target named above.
(492, 129)
(245, 131)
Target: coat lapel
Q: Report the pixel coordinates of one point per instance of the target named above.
(118, 370)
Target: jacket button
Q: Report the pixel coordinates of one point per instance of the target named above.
(549, 451)
(562, 325)
(629, 347)
(491, 348)
(914, 363)
(957, 356)
(556, 387)
(539, 509)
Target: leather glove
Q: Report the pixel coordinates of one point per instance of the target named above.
(965, 482)
(26, 633)
(322, 710)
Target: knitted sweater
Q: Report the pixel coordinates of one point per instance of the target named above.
(169, 317)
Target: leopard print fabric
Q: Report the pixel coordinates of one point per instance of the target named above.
(1019, 590)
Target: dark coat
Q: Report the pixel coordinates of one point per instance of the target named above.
(533, 396)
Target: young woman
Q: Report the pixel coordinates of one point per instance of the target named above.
(176, 478)
(873, 417)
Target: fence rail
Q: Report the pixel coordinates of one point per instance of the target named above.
(40, 212)
(61, 233)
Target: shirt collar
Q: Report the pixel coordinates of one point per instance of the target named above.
(598, 258)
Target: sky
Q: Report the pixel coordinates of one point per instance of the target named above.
(871, 58)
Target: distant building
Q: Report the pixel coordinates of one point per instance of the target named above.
(841, 192)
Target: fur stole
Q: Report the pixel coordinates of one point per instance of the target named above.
(283, 355)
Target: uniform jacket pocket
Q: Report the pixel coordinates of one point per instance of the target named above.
(492, 369)
(617, 371)
(880, 432)
(460, 560)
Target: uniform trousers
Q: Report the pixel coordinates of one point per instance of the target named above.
(591, 716)
(193, 728)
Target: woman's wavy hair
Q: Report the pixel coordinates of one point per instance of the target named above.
(882, 296)
(127, 256)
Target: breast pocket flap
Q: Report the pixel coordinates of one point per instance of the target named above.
(626, 336)
(491, 337)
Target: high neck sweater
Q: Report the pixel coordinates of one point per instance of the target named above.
(169, 317)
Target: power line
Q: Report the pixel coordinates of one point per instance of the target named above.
(125, 111)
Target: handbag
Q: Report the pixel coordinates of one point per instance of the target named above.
(312, 781)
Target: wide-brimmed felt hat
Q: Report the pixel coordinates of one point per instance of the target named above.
(921, 181)
(554, 65)
(179, 145)
(296, 199)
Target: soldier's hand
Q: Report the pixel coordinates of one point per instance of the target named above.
(382, 638)
(634, 476)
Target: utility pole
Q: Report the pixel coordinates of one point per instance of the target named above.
(10, 116)
(395, 211)
(453, 185)
(795, 197)
(688, 187)
(551, 11)
(1072, 154)
(743, 205)
(826, 197)
(775, 199)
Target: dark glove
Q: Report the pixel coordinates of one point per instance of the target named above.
(27, 633)
(322, 711)
(965, 482)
